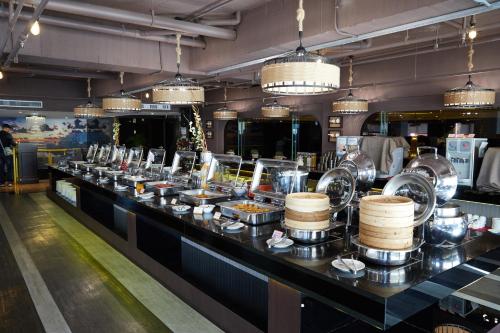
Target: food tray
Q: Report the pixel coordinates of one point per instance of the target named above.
(387, 257)
(174, 189)
(190, 197)
(274, 214)
(130, 181)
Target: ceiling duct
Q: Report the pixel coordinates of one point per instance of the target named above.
(14, 103)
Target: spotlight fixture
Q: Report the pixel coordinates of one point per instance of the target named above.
(1, 75)
(300, 72)
(35, 28)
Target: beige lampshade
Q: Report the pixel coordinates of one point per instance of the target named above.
(180, 91)
(301, 73)
(225, 114)
(469, 97)
(275, 110)
(121, 104)
(88, 110)
(350, 105)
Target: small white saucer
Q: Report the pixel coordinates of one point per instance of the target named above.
(234, 226)
(350, 262)
(121, 188)
(281, 244)
(181, 208)
(495, 231)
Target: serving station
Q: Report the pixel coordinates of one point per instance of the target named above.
(277, 253)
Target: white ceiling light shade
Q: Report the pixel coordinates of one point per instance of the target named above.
(35, 28)
(350, 104)
(471, 96)
(224, 113)
(180, 91)
(89, 110)
(275, 110)
(34, 122)
(301, 72)
(121, 103)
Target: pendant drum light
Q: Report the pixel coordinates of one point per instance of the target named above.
(350, 104)
(180, 91)
(89, 110)
(471, 96)
(301, 72)
(122, 103)
(275, 110)
(224, 113)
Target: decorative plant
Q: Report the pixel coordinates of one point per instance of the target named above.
(116, 131)
(196, 130)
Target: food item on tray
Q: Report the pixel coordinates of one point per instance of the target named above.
(164, 185)
(202, 196)
(251, 208)
(308, 211)
(386, 222)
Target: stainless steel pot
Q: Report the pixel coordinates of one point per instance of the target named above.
(439, 259)
(438, 170)
(386, 257)
(448, 210)
(289, 181)
(441, 230)
(362, 168)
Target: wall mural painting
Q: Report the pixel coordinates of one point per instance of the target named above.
(61, 133)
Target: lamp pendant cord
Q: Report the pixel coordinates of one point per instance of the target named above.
(470, 54)
(301, 14)
(178, 51)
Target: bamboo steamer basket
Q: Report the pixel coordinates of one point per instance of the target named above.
(386, 222)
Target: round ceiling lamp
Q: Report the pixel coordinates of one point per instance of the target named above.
(275, 110)
(180, 91)
(122, 103)
(89, 110)
(301, 72)
(350, 104)
(471, 96)
(224, 113)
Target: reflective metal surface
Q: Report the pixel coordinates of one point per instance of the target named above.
(389, 276)
(417, 188)
(362, 168)
(274, 213)
(438, 170)
(386, 257)
(339, 185)
(439, 259)
(448, 210)
(163, 191)
(308, 236)
(190, 197)
(440, 230)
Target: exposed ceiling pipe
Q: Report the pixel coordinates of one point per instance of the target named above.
(60, 73)
(206, 9)
(224, 22)
(125, 16)
(24, 35)
(12, 22)
(164, 33)
(78, 25)
(373, 34)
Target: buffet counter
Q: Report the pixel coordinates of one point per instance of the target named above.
(246, 286)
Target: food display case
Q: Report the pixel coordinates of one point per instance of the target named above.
(224, 172)
(463, 153)
(103, 155)
(202, 197)
(134, 158)
(117, 156)
(182, 166)
(155, 162)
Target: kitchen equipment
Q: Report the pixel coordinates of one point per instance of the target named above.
(386, 257)
(134, 180)
(91, 153)
(164, 188)
(274, 213)
(348, 265)
(115, 175)
(103, 155)
(361, 167)
(240, 191)
(437, 170)
(463, 154)
(446, 230)
(417, 188)
(347, 144)
(181, 208)
(207, 209)
(390, 276)
(448, 210)
(155, 161)
(308, 236)
(202, 197)
(182, 166)
(134, 158)
(281, 174)
(439, 259)
(339, 185)
(117, 156)
(223, 172)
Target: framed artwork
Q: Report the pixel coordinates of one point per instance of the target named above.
(209, 134)
(333, 135)
(334, 122)
(209, 124)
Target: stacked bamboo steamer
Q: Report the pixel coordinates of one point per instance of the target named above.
(386, 222)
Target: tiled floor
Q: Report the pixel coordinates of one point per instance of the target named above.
(95, 288)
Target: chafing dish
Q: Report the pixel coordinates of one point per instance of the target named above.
(438, 170)
(190, 197)
(443, 230)
(339, 185)
(417, 188)
(448, 210)
(91, 153)
(103, 155)
(274, 213)
(171, 189)
(134, 180)
(387, 257)
(308, 236)
(362, 169)
(282, 174)
(114, 174)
